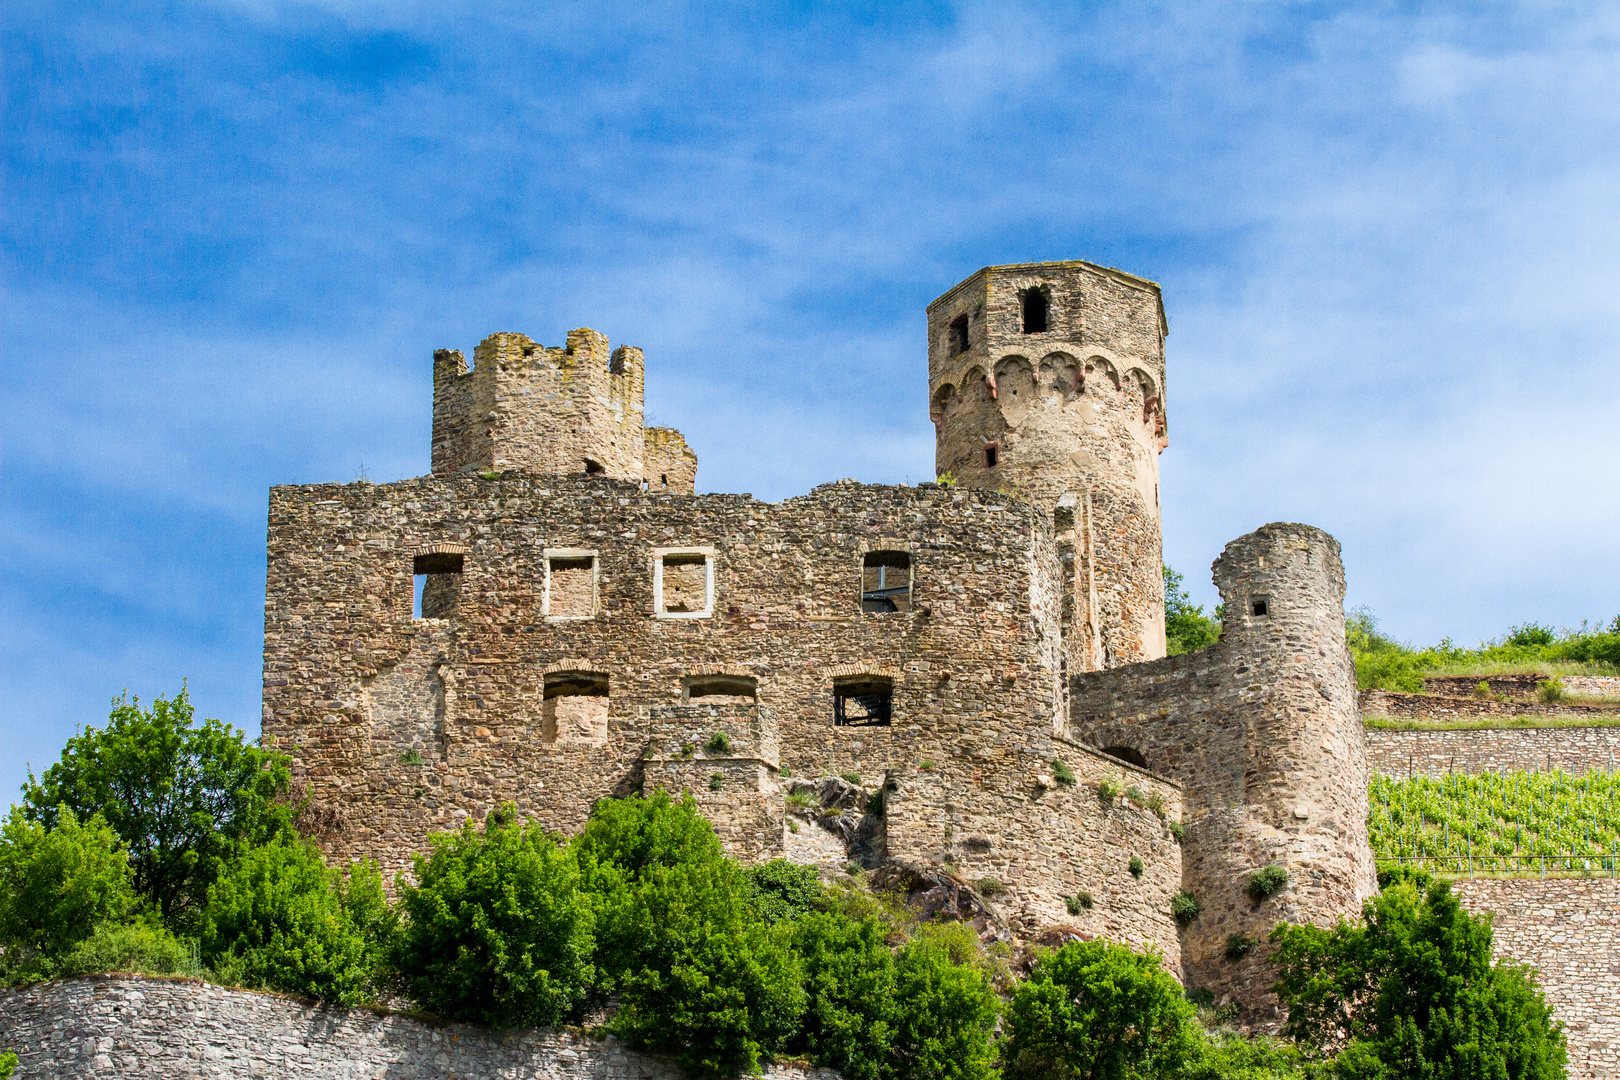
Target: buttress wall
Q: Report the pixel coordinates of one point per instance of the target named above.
(1263, 733)
(1047, 379)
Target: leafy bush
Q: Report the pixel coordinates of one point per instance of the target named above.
(717, 781)
(849, 977)
(184, 799)
(1080, 901)
(1413, 992)
(719, 743)
(1096, 1009)
(1265, 882)
(946, 1007)
(497, 930)
(56, 887)
(1136, 866)
(1134, 794)
(1381, 661)
(8, 1064)
(144, 946)
(784, 890)
(1551, 690)
(1177, 830)
(853, 778)
(1108, 791)
(1239, 945)
(1185, 625)
(1061, 772)
(991, 887)
(280, 919)
(1184, 906)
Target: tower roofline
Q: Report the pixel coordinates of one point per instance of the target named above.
(1133, 280)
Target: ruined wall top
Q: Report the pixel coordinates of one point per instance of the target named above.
(532, 408)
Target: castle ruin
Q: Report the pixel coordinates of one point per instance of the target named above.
(553, 615)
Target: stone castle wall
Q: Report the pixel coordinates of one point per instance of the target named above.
(1472, 750)
(1261, 730)
(1568, 929)
(1076, 408)
(180, 1029)
(1393, 705)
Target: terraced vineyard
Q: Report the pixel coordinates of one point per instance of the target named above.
(1494, 823)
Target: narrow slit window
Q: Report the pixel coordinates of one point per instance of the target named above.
(575, 709)
(959, 335)
(570, 584)
(886, 581)
(1034, 304)
(863, 701)
(437, 588)
(990, 457)
(683, 583)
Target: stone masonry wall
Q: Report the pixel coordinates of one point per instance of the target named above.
(178, 1029)
(667, 462)
(1261, 730)
(1426, 707)
(1077, 408)
(1439, 752)
(1568, 929)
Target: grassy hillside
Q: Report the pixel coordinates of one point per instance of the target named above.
(1383, 662)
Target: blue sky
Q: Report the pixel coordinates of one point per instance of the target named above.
(234, 233)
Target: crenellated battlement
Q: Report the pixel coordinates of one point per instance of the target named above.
(528, 407)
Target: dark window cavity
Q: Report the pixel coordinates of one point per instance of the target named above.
(862, 701)
(990, 456)
(959, 335)
(1260, 606)
(886, 581)
(592, 468)
(1034, 305)
(438, 584)
(1125, 753)
(735, 686)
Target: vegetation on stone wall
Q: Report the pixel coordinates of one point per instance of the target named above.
(1383, 662)
(1497, 821)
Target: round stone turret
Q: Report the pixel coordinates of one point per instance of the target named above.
(1046, 381)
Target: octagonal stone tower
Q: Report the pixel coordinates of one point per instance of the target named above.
(1046, 380)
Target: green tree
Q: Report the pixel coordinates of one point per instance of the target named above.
(1186, 627)
(8, 1064)
(700, 973)
(1094, 1010)
(184, 798)
(1413, 992)
(280, 919)
(945, 1007)
(496, 931)
(784, 890)
(849, 975)
(56, 886)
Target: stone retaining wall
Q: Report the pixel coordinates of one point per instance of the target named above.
(1428, 707)
(1569, 931)
(176, 1029)
(1436, 752)
(1592, 685)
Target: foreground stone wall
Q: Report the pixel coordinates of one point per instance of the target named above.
(175, 1029)
(1262, 732)
(1439, 752)
(1568, 929)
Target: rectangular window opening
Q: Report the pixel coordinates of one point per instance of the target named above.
(990, 455)
(720, 686)
(886, 581)
(1034, 305)
(683, 583)
(959, 335)
(436, 591)
(862, 701)
(1260, 606)
(574, 710)
(570, 584)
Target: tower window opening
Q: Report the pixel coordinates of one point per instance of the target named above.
(616, 366)
(663, 478)
(863, 701)
(959, 334)
(528, 350)
(990, 457)
(1126, 753)
(1034, 304)
(886, 581)
(1260, 607)
(593, 468)
(436, 590)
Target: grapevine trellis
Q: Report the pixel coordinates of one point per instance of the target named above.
(1498, 822)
